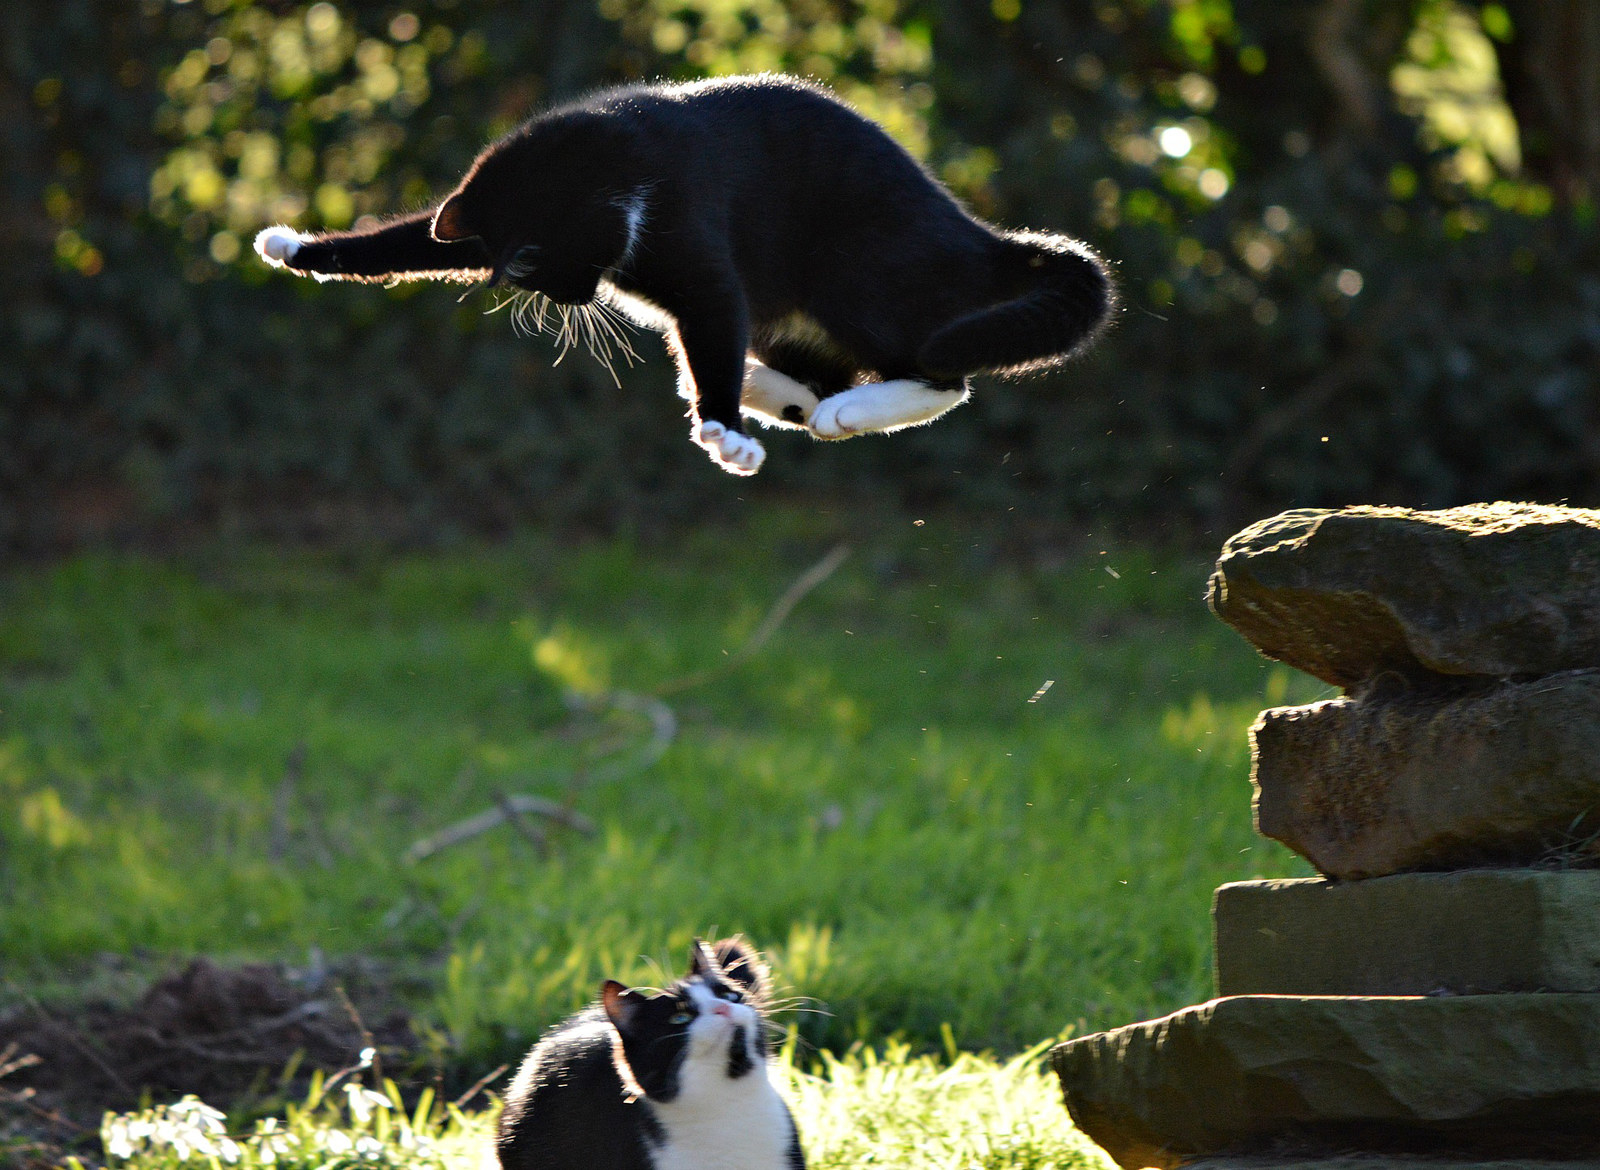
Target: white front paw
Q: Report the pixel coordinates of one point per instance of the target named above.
(732, 451)
(776, 399)
(832, 419)
(277, 245)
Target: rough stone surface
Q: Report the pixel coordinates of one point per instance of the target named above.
(1384, 784)
(1488, 589)
(1489, 1076)
(1480, 930)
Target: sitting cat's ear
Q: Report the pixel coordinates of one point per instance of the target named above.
(620, 1004)
(740, 963)
(701, 960)
(732, 959)
(450, 222)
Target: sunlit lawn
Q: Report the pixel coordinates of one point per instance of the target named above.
(961, 798)
(891, 1109)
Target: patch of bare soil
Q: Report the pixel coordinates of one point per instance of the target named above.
(237, 1037)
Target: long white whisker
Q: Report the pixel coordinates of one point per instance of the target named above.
(597, 326)
(599, 345)
(617, 327)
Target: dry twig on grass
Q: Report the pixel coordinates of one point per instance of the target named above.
(516, 808)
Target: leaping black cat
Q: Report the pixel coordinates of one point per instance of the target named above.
(803, 267)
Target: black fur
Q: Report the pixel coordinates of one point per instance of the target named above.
(754, 215)
(401, 249)
(584, 1099)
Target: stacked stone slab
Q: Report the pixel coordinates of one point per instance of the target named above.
(1434, 994)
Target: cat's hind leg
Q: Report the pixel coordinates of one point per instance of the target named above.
(882, 406)
(774, 398)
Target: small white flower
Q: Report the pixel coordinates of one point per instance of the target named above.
(369, 1149)
(117, 1139)
(363, 1101)
(200, 1115)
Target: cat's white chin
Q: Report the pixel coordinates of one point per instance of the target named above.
(278, 244)
(733, 452)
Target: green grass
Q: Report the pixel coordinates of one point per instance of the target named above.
(873, 798)
(895, 1110)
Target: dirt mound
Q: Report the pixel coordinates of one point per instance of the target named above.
(229, 1035)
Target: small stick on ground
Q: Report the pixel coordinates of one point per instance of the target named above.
(516, 808)
(283, 799)
(781, 609)
(478, 1087)
(530, 831)
(491, 818)
(76, 1040)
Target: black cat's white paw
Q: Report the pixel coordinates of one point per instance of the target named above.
(277, 245)
(880, 406)
(777, 400)
(733, 452)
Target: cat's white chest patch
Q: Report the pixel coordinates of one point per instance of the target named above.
(717, 1121)
(743, 1125)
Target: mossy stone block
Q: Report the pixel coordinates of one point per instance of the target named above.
(1481, 1076)
(1385, 783)
(1483, 930)
(1488, 589)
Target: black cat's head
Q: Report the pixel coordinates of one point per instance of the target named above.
(707, 1028)
(552, 205)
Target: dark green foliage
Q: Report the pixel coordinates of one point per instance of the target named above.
(1348, 322)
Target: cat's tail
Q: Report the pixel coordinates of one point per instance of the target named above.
(1064, 297)
(397, 249)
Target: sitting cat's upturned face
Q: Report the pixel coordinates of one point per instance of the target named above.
(685, 1039)
(657, 1079)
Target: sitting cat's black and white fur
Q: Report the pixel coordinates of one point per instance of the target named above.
(803, 267)
(669, 1080)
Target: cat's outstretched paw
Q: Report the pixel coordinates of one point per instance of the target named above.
(834, 419)
(730, 450)
(880, 406)
(277, 245)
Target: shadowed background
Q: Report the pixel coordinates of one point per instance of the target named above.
(1356, 241)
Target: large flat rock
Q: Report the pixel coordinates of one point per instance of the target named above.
(1487, 1076)
(1418, 780)
(1476, 930)
(1487, 589)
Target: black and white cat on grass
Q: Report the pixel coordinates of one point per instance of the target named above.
(669, 1080)
(804, 268)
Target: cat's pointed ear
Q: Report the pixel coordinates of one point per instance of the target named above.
(701, 961)
(619, 1004)
(450, 221)
(740, 962)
